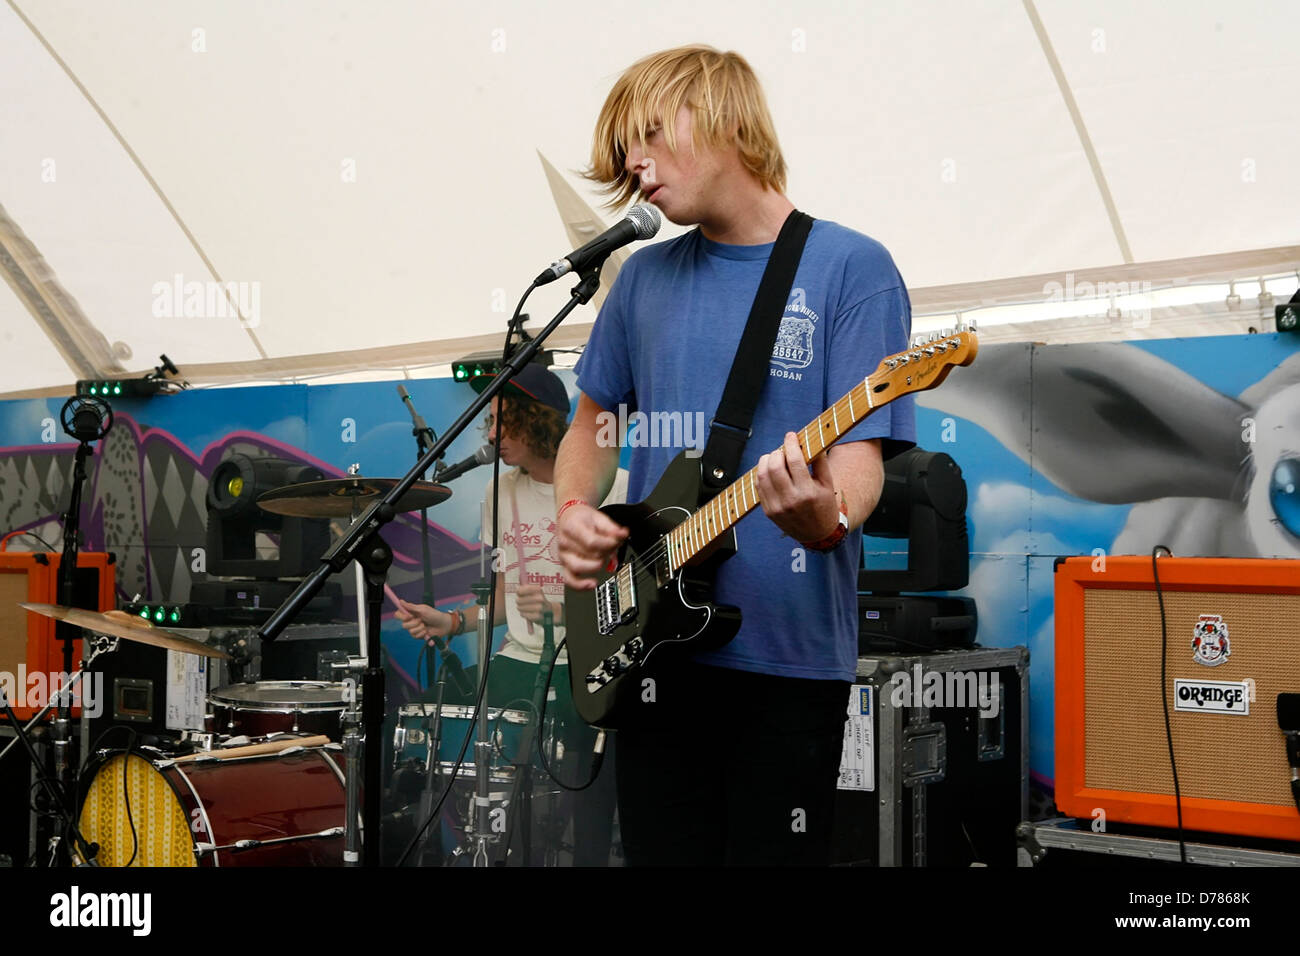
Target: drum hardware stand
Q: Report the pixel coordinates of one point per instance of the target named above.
(432, 850)
(480, 822)
(62, 802)
(353, 750)
(522, 798)
(362, 542)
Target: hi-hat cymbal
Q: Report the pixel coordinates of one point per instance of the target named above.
(126, 626)
(346, 497)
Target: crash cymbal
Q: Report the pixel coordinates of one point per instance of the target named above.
(346, 497)
(126, 626)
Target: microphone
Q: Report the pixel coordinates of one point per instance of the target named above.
(641, 222)
(480, 457)
(86, 418)
(422, 431)
(455, 672)
(1288, 719)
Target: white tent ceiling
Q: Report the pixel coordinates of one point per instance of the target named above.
(373, 167)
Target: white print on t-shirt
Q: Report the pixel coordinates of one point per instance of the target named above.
(794, 339)
(534, 542)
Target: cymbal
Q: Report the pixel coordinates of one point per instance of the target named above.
(126, 626)
(346, 497)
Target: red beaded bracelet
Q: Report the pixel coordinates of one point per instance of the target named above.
(832, 540)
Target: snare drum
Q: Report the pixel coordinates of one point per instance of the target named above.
(277, 706)
(195, 813)
(415, 725)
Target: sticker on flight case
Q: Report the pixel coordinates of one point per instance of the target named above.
(858, 758)
(1212, 696)
(1210, 640)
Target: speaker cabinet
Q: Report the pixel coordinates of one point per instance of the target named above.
(28, 646)
(1232, 645)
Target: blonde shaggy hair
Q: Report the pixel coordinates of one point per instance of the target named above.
(727, 106)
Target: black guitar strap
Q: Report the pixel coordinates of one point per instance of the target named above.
(730, 429)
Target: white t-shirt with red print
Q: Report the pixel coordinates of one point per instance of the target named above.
(530, 554)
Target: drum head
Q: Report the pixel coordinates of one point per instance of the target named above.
(144, 820)
(296, 695)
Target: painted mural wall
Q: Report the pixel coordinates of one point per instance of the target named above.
(1079, 449)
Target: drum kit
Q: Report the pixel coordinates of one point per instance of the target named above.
(265, 781)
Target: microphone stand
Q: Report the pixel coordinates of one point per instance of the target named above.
(76, 425)
(424, 439)
(363, 543)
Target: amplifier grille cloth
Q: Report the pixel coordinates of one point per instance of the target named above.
(13, 629)
(1220, 756)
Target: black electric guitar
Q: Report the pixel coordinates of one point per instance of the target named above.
(660, 595)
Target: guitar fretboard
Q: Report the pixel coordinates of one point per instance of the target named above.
(896, 376)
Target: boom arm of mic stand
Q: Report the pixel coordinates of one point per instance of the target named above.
(344, 551)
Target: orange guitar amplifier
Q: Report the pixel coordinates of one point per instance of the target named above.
(28, 646)
(1233, 645)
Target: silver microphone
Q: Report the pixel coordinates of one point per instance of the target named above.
(641, 222)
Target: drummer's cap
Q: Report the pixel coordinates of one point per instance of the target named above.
(533, 381)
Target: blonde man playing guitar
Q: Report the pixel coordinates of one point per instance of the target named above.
(731, 756)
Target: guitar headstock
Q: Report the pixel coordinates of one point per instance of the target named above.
(928, 362)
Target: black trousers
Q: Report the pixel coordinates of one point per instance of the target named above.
(726, 767)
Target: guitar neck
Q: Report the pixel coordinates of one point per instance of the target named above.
(915, 370)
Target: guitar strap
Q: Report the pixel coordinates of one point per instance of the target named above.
(730, 428)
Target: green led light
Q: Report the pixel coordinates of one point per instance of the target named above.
(158, 615)
(144, 612)
(175, 615)
(117, 389)
(92, 390)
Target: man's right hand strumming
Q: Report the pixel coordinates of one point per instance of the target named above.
(588, 540)
(584, 471)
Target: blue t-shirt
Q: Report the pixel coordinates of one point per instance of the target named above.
(664, 343)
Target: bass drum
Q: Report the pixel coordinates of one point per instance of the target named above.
(161, 813)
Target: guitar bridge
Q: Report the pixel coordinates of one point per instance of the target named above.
(616, 600)
(621, 660)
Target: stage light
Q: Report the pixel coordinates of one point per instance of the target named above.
(489, 363)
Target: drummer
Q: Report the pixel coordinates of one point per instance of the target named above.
(529, 580)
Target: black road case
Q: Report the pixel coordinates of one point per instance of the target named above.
(936, 765)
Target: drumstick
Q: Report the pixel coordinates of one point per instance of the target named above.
(252, 750)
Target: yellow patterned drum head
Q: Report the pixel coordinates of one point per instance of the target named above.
(136, 821)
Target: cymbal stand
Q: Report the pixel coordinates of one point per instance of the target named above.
(62, 800)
